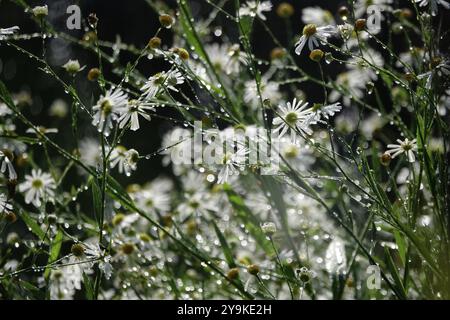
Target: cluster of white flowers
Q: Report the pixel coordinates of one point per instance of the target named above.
(254, 218)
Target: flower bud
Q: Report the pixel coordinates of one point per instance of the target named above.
(253, 269)
(90, 37)
(285, 10)
(182, 53)
(410, 77)
(154, 43)
(316, 55)
(385, 159)
(233, 274)
(343, 12)
(166, 20)
(277, 53)
(93, 74)
(360, 24)
(127, 248)
(10, 217)
(406, 13)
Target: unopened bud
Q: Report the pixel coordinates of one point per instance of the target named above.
(360, 24)
(154, 43)
(385, 159)
(233, 274)
(93, 74)
(253, 269)
(166, 20)
(316, 55)
(285, 10)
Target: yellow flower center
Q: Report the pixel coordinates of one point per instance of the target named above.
(291, 118)
(309, 30)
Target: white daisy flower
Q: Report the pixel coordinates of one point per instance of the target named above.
(312, 35)
(73, 66)
(434, 5)
(60, 286)
(8, 31)
(317, 16)
(107, 109)
(131, 113)
(406, 146)
(6, 158)
(4, 110)
(162, 80)
(232, 164)
(155, 196)
(218, 55)
(255, 8)
(320, 112)
(269, 90)
(38, 186)
(125, 160)
(365, 72)
(295, 115)
(348, 82)
(235, 58)
(90, 152)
